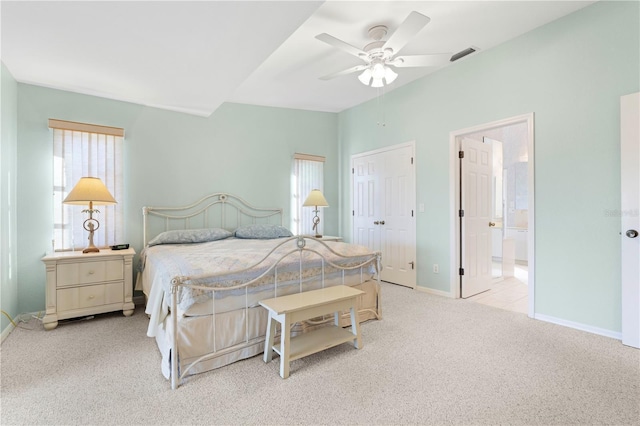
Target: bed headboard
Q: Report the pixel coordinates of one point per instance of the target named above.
(219, 210)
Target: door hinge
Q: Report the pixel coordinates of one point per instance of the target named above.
(353, 212)
(460, 213)
(461, 271)
(411, 160)
(411, 213)
(460, 154)
(353, 171)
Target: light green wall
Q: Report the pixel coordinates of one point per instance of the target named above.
(8, 149)
(170, 159)
(571, 74)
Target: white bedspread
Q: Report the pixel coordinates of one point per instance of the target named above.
(233, 262)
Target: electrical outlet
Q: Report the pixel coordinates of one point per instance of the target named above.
(436, 269)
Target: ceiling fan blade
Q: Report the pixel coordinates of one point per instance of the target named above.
(345, 72)
(409, 28)
(346, 47)
(420, 60)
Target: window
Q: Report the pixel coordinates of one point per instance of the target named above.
(307, 174)
(86, 150)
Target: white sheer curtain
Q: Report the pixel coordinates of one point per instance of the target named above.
(77, 154)
(307, 174)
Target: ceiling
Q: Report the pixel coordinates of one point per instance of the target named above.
(193, 56)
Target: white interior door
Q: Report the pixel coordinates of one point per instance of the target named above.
(384, 210)
(630, 219)
(366, 204)
(398, 218)
(476, 184)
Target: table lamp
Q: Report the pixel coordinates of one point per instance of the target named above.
(316, 199)
(90, 190)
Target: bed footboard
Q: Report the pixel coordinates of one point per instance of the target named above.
(253, 328)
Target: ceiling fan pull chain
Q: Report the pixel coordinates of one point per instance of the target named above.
(381, 110)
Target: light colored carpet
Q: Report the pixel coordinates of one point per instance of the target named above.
(431, 360)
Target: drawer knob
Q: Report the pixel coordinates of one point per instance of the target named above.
(91, 297)
(91, 272)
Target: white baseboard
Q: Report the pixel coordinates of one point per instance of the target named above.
(434, 291)
(24, 317)
(6, 332)
(579, 326)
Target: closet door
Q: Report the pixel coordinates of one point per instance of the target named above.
(366, 201)
(384, 210)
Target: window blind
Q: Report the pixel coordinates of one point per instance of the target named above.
(307, 174)
(81, 150)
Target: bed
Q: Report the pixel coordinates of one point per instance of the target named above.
(205, 267)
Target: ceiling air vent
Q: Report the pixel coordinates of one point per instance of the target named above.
(462, 54)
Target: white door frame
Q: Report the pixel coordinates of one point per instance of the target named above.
(454, 185)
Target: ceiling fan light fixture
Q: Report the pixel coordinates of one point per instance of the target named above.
(389, 75)
(377, 82)
(377, 75)
(365, 77)
(378, 71)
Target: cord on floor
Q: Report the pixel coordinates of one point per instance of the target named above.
(17, 325)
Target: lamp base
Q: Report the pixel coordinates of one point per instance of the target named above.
(90, 226)
(318, 236)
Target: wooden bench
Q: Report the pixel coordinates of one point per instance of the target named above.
(288, 310)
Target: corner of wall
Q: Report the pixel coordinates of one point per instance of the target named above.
(8, 166)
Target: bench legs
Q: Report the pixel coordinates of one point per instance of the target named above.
(285, 343)
(285, 347)
(285, 337)
(268, 343)
(355, 327)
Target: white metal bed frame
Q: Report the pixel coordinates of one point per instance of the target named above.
(210, 211)
(213, 211)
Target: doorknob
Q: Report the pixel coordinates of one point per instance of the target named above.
(492, 224)
(376, 223)
(382, 222)
(632, 233)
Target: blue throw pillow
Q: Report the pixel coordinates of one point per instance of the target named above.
(188, 236)
(262, 231)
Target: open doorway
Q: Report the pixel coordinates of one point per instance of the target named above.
(508, 222)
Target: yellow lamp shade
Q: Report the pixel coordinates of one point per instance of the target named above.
(316, 198)
(90, 190)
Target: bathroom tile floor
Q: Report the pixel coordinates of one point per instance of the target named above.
(508, 293)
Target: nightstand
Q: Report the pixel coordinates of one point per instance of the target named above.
(86, 284)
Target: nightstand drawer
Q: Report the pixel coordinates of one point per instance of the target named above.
(87, 297)
(89, 272)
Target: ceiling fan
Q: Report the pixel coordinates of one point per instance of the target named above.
(379, 56)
